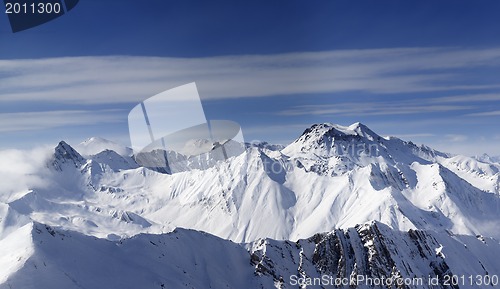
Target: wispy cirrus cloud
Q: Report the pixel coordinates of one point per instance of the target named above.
(126, 79)
(396, 107)
(486, 113)
(456, 137)
(29, 121)
(402, 87)
(482, 97)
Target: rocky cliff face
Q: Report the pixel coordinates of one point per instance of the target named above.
(375, 256)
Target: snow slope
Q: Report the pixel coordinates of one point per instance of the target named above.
(39, 256)
(50, 258)
(485, 158)
(95, 145)
(330, 179)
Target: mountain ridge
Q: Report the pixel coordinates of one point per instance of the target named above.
(196, 259)
(315, 177)
(339, 201)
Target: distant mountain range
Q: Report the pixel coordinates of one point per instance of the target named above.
(339, 201)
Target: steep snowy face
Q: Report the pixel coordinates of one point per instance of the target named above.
(95, 145)
(373, 251)
(312, 185)
(390, 209)
(328, 139)
(485, 158)
(114, 161)
(484, 175)
(332, 149)
(65, 156)
(40, 256)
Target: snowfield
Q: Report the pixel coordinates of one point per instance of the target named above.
(340, 201)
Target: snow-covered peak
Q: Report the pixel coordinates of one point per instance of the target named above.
(334, 129)
(363, 130)
(357, 144)
(195, 147)
(114, 160)
(64, 154)
(342, 175)
(324, 136)
(334, 149)
(95, 145)
(485, 158)
(265, 146)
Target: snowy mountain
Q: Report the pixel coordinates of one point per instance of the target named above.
(485, 158)
(39, 256)
(414, 203)
(95, 145)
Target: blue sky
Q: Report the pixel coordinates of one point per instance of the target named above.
(425, 71)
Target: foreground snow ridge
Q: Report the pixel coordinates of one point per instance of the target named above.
(55, 258)
(91, 217)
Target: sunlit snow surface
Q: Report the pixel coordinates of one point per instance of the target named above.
(331, 177)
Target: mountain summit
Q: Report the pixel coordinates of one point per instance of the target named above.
(333, 149)
(64, 154)
(330, 177)
(350, 200)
